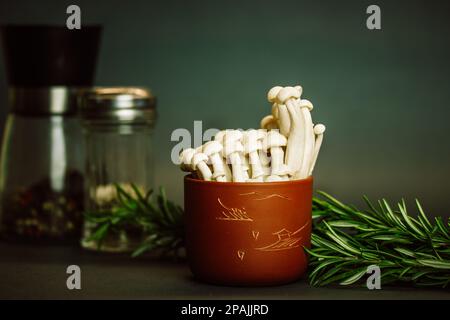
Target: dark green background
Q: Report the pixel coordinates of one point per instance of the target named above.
(384, 95)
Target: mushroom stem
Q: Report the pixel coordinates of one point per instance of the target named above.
(222, 179)
(277, 156)
(199, 164)
(305, 107)
(232, 151)
(295, 144)
(252, 144)
(237, 172)
(296, 140)
(245, 166)
(265, 162)
(218, 166)
(275, 141)
(212, 149)
(256, 165)
(204, 171)
(228, 173)
(219, 138)
(319, 129)
(283, 120)
(262, 154)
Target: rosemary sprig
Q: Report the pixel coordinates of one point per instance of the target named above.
(345, 241)
(159, 221)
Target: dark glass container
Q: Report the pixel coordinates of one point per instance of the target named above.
(41, 163)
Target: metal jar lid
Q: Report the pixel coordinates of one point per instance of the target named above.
(119, 105)
(44, 101)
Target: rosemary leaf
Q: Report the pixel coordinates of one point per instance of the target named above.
(407, 249)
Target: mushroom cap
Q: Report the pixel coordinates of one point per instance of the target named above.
(199, 148)
(261, 133)
(299, 88)
(319, 129)
(219, 136)
(274, 139)
(232, 135)
(273, 92)
(212, 147)
(197, 158)
(232, 146)
(268, 122)
(302, 103)
(250, 141)
(287, 93)
(186, 156)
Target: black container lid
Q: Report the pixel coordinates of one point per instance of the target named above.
(41, 56)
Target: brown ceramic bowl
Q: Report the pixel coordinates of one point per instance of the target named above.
(247, 234)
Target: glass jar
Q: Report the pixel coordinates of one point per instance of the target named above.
(41, 181)
(118, 125)
(41, 163)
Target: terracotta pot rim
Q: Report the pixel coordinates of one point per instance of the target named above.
(191, 179)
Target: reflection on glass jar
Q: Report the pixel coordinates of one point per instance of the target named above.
(118, 126)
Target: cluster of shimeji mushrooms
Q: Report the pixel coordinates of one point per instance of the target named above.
(285, 148)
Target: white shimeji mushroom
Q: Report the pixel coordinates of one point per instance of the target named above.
(252, 144)
(265, 161)
(199, 161)
(245, 166)
(279, 111)
(186, 159)
(213, 150)
(275, 141)
(271, 97)
(283, 119)
(232, 150)
(284, 172)
(269, 122)
(305, 107)
(273, 93)
(262, 154)
(219, 138)
(291, 119)
(275, 111)
(296, 141)
(319, 129)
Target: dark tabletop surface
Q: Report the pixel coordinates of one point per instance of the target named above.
(36, 272)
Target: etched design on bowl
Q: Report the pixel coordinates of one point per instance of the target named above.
(233, 214)
(286, 240)
(263, 196)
